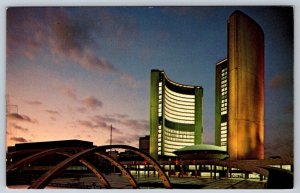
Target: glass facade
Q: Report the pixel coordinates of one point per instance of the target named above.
(178, 115)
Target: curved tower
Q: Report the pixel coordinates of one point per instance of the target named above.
(175, 115)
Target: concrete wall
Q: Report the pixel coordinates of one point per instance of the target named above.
(246, 88)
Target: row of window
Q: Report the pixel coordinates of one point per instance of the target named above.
(178, 107)
(182, 103)
(179, 119)
(186, 111)
(179, 98)
(179, 137)
(175, 144)
(179, 94)
(180, 114)
(169, 130)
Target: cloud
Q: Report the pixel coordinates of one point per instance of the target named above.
(128, 81)
(98, 124)
(68, 36)
(19, 117)
(88, 124)
(109, 119)
(92, 102)
(136, 124)
(69, 92)
(34, 102)
(81, 109)
(281, 81)
(19, 127)
(131, 139)
(118, 115)
(72, 38)
(52, 112)
(20, 139)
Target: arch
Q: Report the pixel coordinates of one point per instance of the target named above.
(42, 181)
(130, 178)
(29, 159)
(62, 165)
(102, 180)
(148, 158)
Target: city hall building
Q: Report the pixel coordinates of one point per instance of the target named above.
(239, 109)
(175, 115)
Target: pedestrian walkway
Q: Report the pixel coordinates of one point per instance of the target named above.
(120, 182)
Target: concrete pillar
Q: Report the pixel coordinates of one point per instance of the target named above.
(211, 172)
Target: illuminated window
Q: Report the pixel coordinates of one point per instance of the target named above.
(179, 94)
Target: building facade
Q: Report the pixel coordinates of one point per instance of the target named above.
(144, 143)
(221, 107)
(240, 90)
(175, 115)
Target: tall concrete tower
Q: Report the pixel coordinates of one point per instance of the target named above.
(240, 126)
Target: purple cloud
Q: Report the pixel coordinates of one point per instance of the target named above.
(19, 117)
(19, 127)
(34, 102)
(92, 102)
(19, 139)
(69, 92)
(52, 112)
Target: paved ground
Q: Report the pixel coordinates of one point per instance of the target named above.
(120, 182)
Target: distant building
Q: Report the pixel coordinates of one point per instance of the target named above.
(144, 143)
(239, 111)
(175, 115)
(129, 156)
(113, 153)
(51, 145)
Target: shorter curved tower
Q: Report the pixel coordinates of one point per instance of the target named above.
(175, 115)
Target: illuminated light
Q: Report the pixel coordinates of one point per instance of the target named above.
(182, 103)
(171, 108)
(179, 94)
(177, 106)
(179, 113)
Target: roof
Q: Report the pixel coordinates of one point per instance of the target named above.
(202, 147)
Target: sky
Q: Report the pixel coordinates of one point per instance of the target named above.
(72, 72)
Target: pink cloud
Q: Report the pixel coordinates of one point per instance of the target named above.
(20, 139)
(34, 102)
(19, 117)
(128, 81)
(19, 127)
(92, 102)
(69, 92)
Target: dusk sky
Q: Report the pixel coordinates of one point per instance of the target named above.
(73, 72)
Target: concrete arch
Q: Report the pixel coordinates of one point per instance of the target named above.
(102, 180)
(148, 158)
(34, 157)
(50, 174)
(128, 175)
